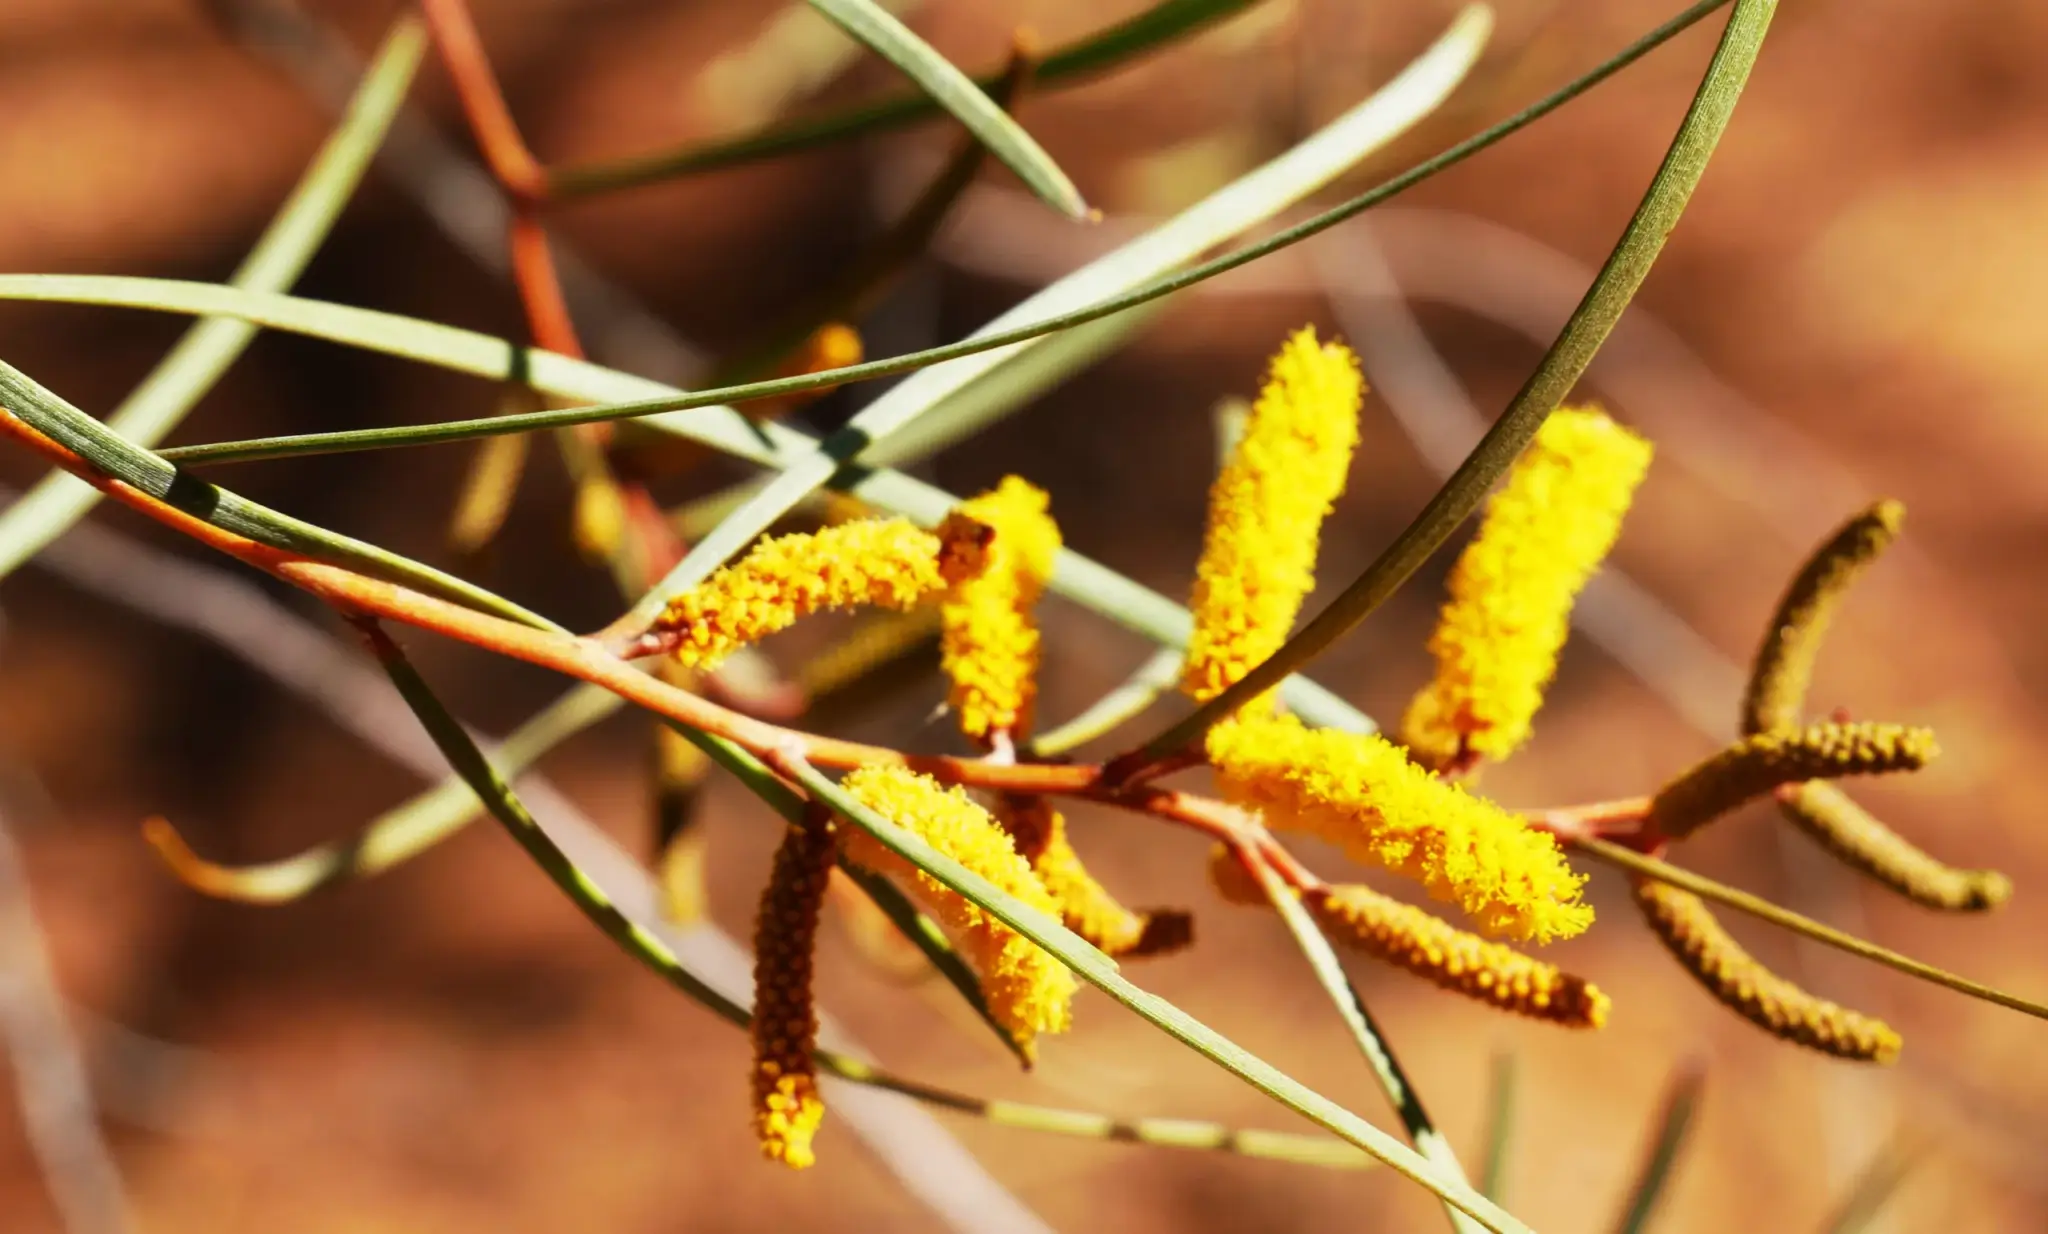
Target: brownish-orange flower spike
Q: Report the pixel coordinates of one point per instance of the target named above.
(1861, 841)
(787, 1107)
(1755, 765)
(1436, 951)
(1690, 932)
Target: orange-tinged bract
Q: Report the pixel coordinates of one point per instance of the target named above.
(1436, 951)
(1362, 793)
(887, 562)
(1511, 593)
(787, 1107)
(1266, 511)
(1686, 927)
(1029, 992)
(989, 643)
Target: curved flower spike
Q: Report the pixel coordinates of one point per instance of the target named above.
(1690, 932)
(1852, 834)
(1543, 534)
(892, 563)
(1784, 664)
(1433, 949)
(1028, 991)
(1362, 793)
(989, 638)
(1758, 764)
(1266, 511)
(787, 1107)
(1086, 906)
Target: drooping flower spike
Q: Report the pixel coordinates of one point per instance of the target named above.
(1861, 841)
(1361, 792)
(1755, 765)
(1028, 991)
(1511, 592)
(787, 1107)
(1689, 931)
(891, 563)
(989, 636)
(1266, 511)
(1086, 906)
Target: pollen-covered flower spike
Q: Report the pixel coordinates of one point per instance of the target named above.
(1362, 793)
(989, 637)
(1784, 663)
(1266, 511)
(1435, 950)
(1086, 906)
(1861, 841)
(1028, 991)
(887, 562)
(1686, 928)
(1542, 536)
(1755, 765)
(787, 1107)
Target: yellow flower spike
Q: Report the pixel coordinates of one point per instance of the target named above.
(787, 1107)
(1266, 511)
(1543, 534)
(1689, 931)
(1852, 834)
(989, 642)
(1028, 991)
(1086, 906)
(1362, 793)
(1756, 765)
(1433, 949)
(890, 563)
(1784, 664)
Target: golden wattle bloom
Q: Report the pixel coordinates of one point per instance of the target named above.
(1266, 511)
(1362, 793)
(787, 1107)
(1511, 593)
(1028, 991)
(989, 638)
(887, 562)
(1087, 907)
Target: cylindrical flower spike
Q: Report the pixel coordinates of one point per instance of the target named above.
(787, 1107)
(891, 563)
(1756, 765)
(1690, 932)
(1542, 536)
(989, 644)
(1784, 664)
(1860, 840)
(1266, 511)
(1433, 949)
(1028, 991)
(1362, 793)
(1086, 905)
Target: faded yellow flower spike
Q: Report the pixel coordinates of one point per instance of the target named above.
(1436, 951)
(787, 1107)
(1266, 511)
(1028, 991)
(888, 562)
(989, 638)
(1511, 593)
(1360, 792)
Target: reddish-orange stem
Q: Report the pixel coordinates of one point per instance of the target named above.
(462, 51)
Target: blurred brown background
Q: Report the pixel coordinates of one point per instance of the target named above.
(1857, 303)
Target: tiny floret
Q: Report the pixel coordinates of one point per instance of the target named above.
(1029, 991)
(1362, 793)
(887, 562)
(989, 644)
(1543, 534)
(1266, 511)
